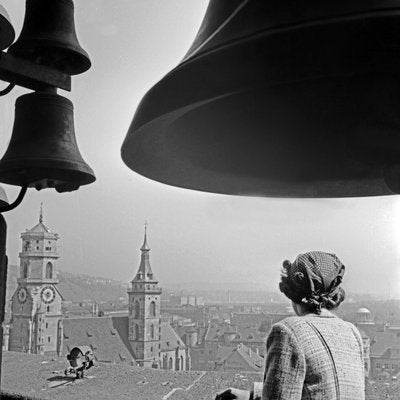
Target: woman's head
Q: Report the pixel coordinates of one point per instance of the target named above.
(313, 281)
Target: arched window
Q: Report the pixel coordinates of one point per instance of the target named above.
(137, 309)
(153, 309)
(25, 270)
(170, 363)
(49, 270)
(152, 331)
(165, 362)
(136, 332)
(182, 368)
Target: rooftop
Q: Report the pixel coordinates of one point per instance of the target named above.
(33, 375)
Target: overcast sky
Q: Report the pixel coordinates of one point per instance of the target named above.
(194, 236)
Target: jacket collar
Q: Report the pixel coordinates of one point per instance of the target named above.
(324, 314)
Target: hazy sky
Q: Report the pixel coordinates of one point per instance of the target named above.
(193, 236)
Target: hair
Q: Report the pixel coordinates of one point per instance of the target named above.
(300, 294)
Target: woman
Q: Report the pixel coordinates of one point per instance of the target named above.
(314, 355)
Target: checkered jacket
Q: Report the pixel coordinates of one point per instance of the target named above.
(316, 357)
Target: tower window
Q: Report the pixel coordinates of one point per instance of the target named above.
(25, 270)
(37, 247)
(136, 332)
(48, 248)
(48, 308)
(49, 270)
(153, 309)
(137, 309)
(152, 331)
(48, 339)
(47, 325)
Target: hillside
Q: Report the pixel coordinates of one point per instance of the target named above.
(76, 287)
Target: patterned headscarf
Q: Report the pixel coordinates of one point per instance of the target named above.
(313, 279)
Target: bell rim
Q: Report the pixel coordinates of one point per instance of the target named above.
(53, 99)
(79, 57)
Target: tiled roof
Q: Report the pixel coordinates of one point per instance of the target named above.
(249, 335)
(39, 228)
(169, 338)
(371, 329)
(246, 334)
(383, 341)
(108, 341)
(253, 361)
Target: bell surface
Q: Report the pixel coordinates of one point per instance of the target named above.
(7, 33)
(48, 37)
(3, 197)
(279, 99)
(43, 152)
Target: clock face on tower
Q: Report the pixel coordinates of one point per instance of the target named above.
(22, 295)
(48, 293)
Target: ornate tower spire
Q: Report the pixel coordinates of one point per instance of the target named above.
(144, 311)
(145, 273)
(145, 246)
(41, 213)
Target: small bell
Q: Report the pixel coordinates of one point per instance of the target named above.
(48, 37)
(43, 152)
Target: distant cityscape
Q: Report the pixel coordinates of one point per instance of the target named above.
(179, 329)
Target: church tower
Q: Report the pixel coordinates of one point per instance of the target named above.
(144, 312)
(36, 303)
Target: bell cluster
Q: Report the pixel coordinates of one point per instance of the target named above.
(43, 152)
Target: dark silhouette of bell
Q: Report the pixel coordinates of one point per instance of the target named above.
(279, 98)
(7, 33)
(48, 37)
(43, 152)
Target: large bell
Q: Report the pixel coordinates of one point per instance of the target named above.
(48, 37)
(7, 33)
(43, 152)
(279, 98)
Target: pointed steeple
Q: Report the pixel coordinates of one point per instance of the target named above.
(41, 213)
(145, 246)
(145, 273)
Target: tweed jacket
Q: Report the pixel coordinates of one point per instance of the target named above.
(314, 357)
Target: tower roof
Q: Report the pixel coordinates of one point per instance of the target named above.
(145, 273)
(40, 227)
(145, 246)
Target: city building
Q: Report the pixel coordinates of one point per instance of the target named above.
(240, 358)
(38, 324)
(144, 312)
(36, 304)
